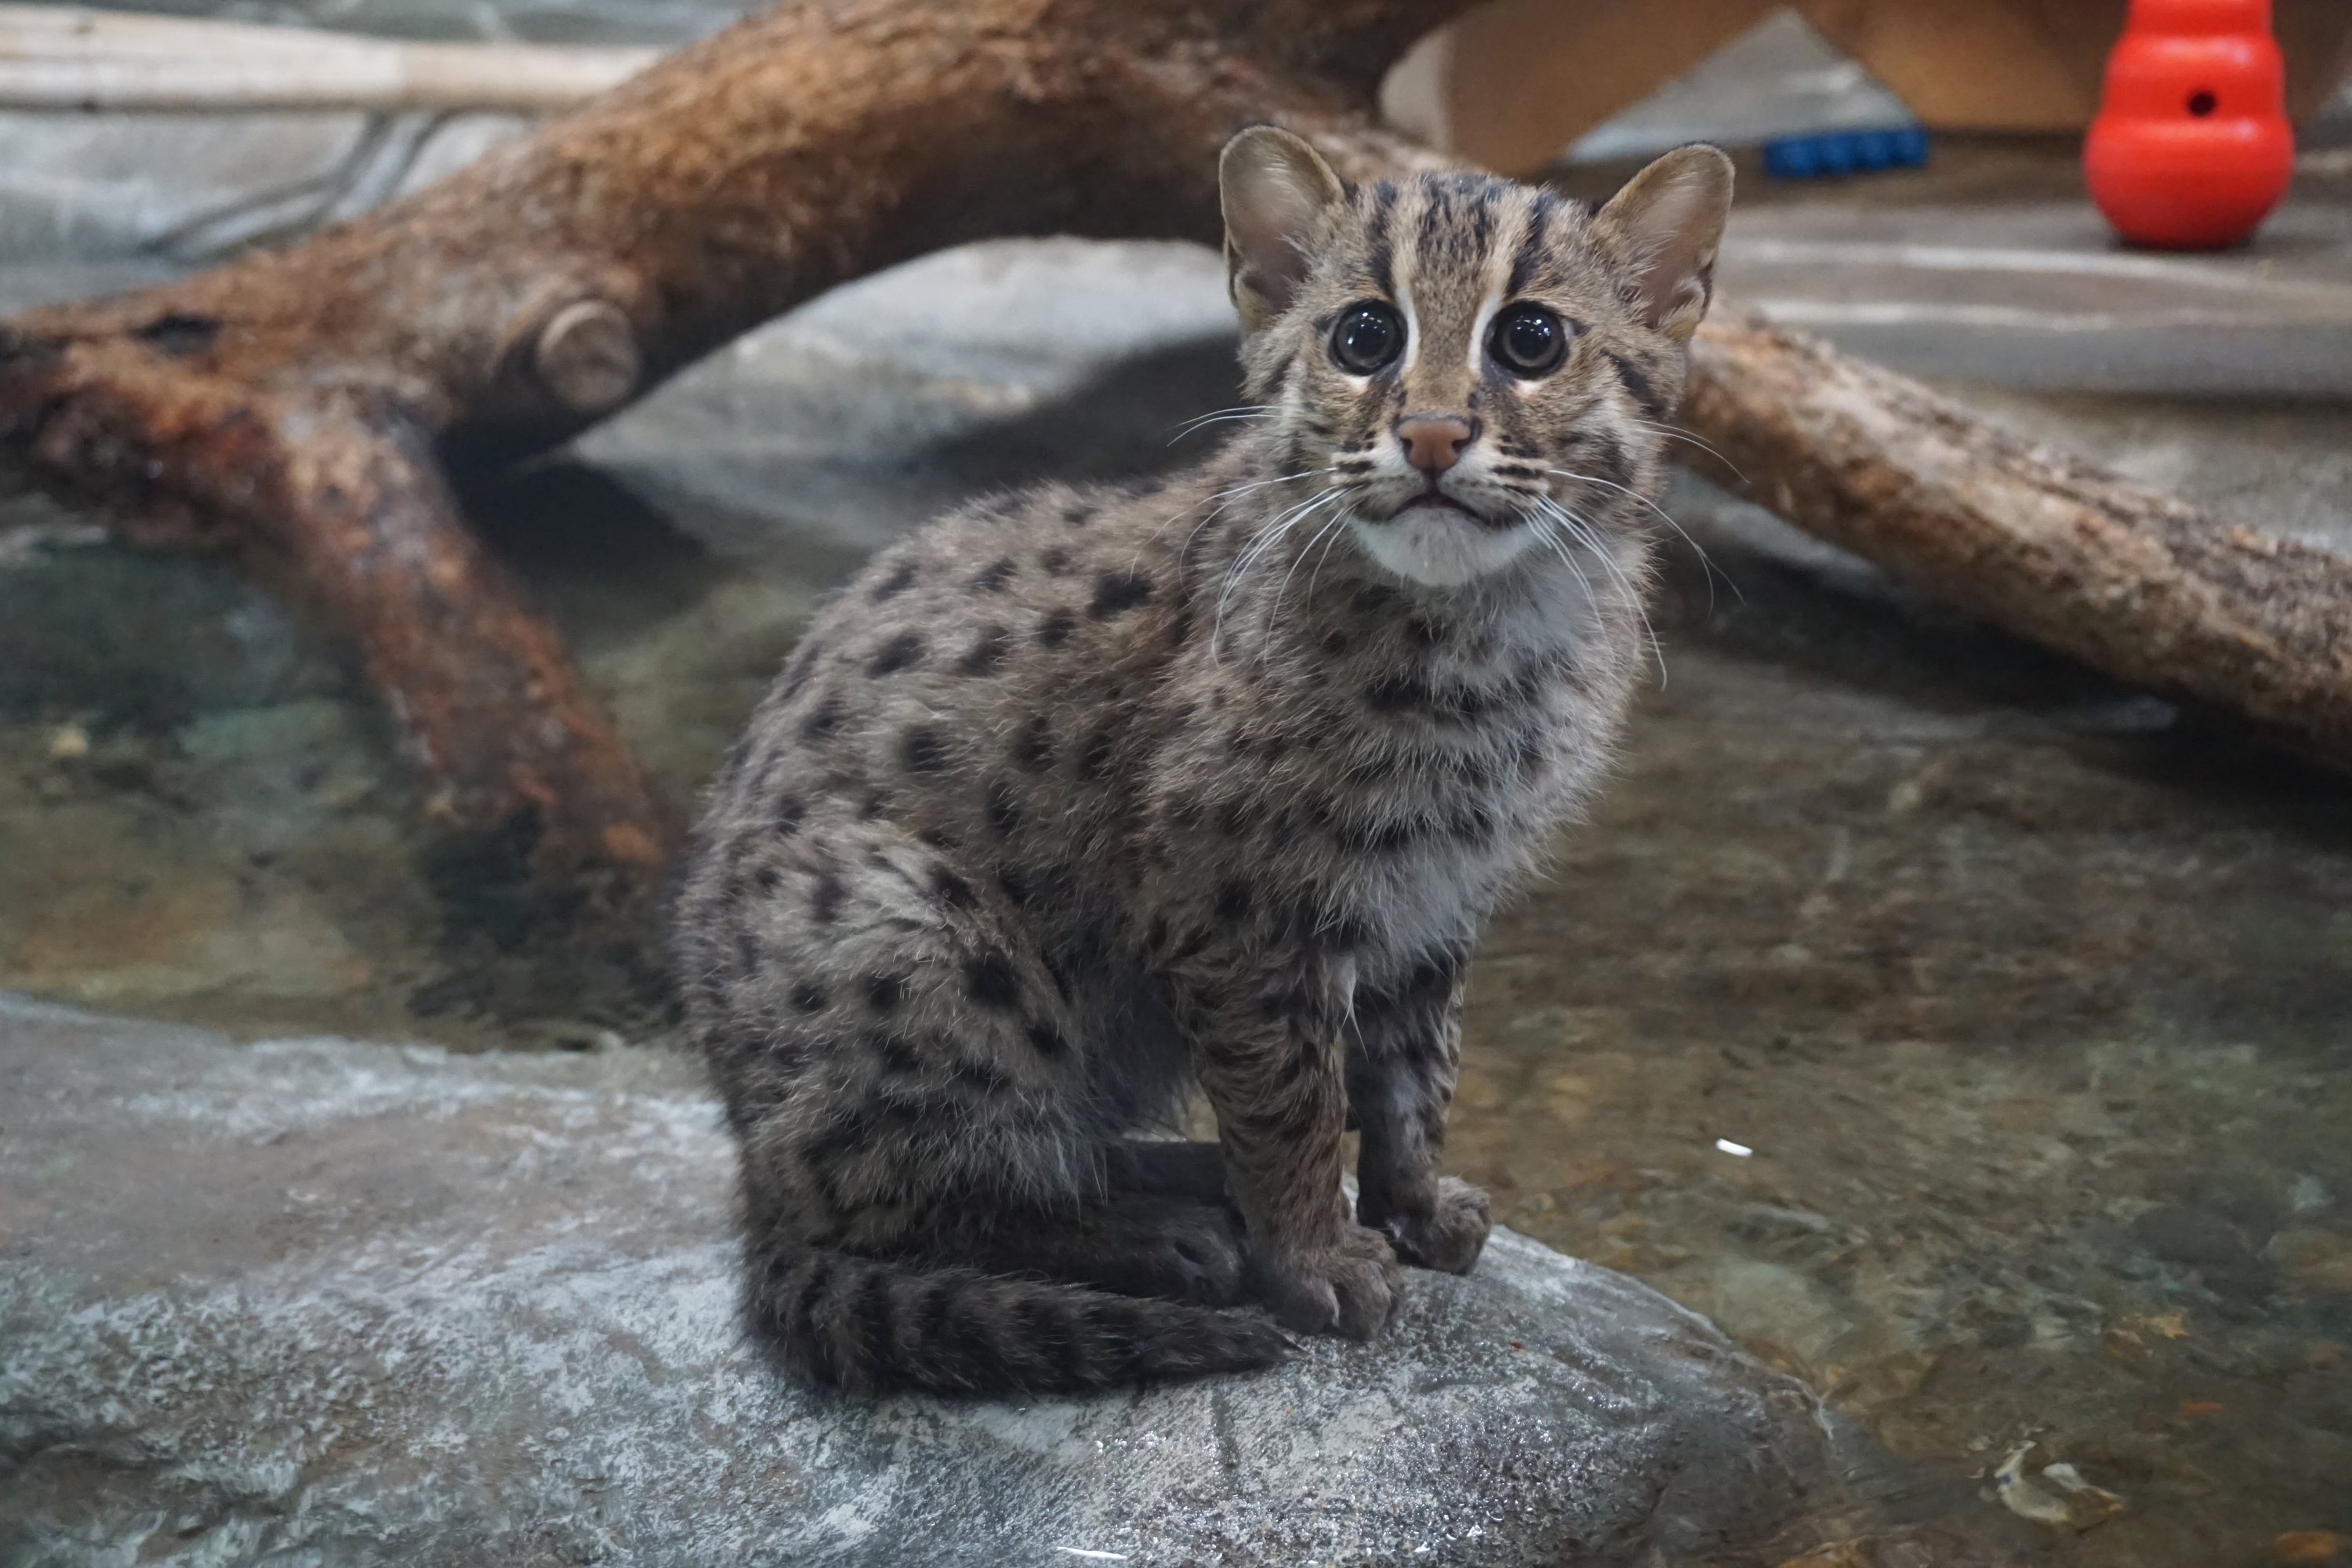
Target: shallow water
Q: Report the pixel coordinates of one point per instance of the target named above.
(2027, 997)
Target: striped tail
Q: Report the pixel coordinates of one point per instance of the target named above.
(870, 1325)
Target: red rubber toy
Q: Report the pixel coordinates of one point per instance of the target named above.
(2191, 149)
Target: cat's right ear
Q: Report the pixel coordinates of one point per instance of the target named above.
(1273, 186)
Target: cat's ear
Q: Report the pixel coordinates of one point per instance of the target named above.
(1273, 186)
(1663, 229)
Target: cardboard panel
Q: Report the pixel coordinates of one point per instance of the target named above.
(1514, 82)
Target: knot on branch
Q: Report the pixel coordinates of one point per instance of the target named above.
(586, 357)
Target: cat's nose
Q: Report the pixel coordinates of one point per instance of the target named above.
(1433, 441)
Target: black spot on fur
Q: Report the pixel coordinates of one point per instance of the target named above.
(898, 1053)
(1033, 748)
(1119, 590)
(991, 982)
(953, 889)
(873, 807)
(1335, 643)
(827, 896)
(1003, 806)
(885, 991)
(1232, 902)
(1049, 1041)
(809, 996)
(1424, 632)
(1393, 694)
(992, 578)
(924, 750)
(1055, 628)
(1055, 562)
(899, 653)
(1095, 759)
(1433, 978)
(823, 719)
(901, 578)
(1016, 886)
(803, 665)
(985, 653)
(1077, 513)
(790, 811)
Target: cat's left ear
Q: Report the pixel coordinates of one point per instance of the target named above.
(1663, 229)
(1274, 186)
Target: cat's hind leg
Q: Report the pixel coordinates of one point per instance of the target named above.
(928, 1201)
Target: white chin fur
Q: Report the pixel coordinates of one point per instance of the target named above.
(1439, 546)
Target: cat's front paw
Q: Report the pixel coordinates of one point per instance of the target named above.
(1446, 1231)
(1350, 1288)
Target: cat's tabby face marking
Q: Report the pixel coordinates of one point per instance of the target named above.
(1472, 368)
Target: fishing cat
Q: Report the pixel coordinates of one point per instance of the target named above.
(1072, 801)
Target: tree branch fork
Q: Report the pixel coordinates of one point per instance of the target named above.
(292, 408)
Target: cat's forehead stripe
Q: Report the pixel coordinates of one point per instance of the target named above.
(1382, 246)
(1534, 237)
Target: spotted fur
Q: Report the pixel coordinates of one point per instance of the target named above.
(1072, 800)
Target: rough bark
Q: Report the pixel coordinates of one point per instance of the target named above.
(292, 407)
(2055, 549)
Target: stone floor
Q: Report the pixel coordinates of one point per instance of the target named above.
(2030, 997)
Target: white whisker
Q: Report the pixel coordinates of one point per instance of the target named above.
(1223, 497)
(1275, 607)
(1707, 562)
(1251, 553)
(1330, 536)
(1582, 531)
(1676, 433)
(1220, 417)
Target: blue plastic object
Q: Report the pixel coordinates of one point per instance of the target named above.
(1820, 153)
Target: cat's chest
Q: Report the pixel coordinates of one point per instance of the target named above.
(1431, 775)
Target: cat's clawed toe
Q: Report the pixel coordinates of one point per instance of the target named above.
(1348, 1288)
(1446, 1234)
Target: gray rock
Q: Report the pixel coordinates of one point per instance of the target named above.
(319, 1301)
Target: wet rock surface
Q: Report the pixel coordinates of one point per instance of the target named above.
(325, 1301)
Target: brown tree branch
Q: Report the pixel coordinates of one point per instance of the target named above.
(288, 408)
(2055, 549)
(291, 407)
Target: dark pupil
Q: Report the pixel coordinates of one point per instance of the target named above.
(1366, 338)
(1527, 339)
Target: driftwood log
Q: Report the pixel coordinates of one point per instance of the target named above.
(2043, 544)
(294, 409)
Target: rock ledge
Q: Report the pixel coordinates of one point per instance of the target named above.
(325, 1301)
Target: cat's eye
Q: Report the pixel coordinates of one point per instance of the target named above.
(1527, 341)
(1367, 337)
